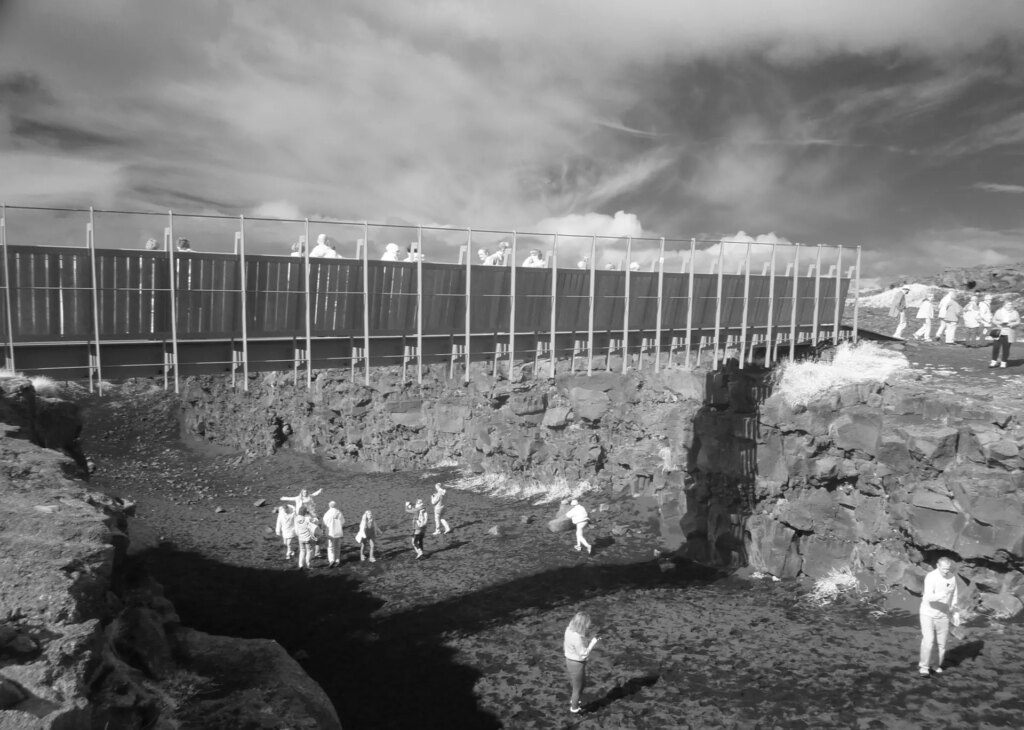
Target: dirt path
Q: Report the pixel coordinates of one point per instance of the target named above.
(471, 636)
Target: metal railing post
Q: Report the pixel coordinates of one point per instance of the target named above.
(769, 353)
(657, 321)
(307, 272)
(7, 289)
(746, 307)
(817, 297)
(590, 315)
(244, 295)
(792, 314)
(90, 238)
(174, 297)
(366, 303)
(468, 318)
(625, 307)
(718, 305)
(512, 308)
(856, 300)
(419, 304)
(689, 302)
(839, 278)
(554, 300)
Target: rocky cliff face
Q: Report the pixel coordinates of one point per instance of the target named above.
(86, 639)
(878, 478)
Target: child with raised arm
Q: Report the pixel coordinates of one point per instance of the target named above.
(419, 528)
(438, 501)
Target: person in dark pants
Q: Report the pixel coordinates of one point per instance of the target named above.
(578, 644)
(1005, 320)
(419, 529)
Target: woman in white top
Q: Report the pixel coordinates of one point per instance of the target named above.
(334, 525)
(305, 530)
(437, 499)
(534, 260)
(367, 535)
(390, 252)
(1006, 319)
(323, 249)
(578, 644)
(972, 322)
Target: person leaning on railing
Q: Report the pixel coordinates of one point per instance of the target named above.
(534, 260)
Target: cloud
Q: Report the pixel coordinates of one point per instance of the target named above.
(278, 209)
(999, 188)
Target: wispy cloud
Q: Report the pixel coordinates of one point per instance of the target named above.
(999, 188)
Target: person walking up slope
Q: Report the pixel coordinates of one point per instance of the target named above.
(438, 501)
(580, 519)
(899, 311)
(925, 312)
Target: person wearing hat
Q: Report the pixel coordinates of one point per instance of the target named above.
(419, 529)
(534, 260)
(899, 310)
(323, 249)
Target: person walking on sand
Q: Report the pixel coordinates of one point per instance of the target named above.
(580, 519)
(951, 319)
(925, 312)
(285, 528)
(334, 526)
(899, 311)
(419, 525)
(938, 608)
(367, 536)
(305, 530)
(1006, 319)
(579, 642)
(437, 499)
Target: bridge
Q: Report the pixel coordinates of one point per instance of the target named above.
(89, 313)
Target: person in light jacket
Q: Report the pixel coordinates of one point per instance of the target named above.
(972, 322)
(1005, 319)
(580, 519)
(938, 609)
(285, 529)
(941, 313)
(899, 311)
(925, 311)
(334, 526)
(419, 525)
(578, 643)
(305, 529)
(951, 318)
(437, 499)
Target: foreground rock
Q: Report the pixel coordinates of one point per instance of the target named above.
(88, 641)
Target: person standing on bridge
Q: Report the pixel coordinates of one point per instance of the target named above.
(534, 260)
(899, 310)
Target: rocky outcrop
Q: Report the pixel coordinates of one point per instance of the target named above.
(87, 640)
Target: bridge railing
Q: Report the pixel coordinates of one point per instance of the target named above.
(93, 310)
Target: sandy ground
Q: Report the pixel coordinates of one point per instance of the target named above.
(470, 637)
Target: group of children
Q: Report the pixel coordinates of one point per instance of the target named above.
(298, 522)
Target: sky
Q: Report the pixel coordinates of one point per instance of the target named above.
(894, 126)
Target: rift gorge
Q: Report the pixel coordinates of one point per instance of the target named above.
(761, 531)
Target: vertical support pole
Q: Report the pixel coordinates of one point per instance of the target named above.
(718, 305)
(746, 307)
(469, 275)
(839, 280)
(625, 307)
(796, 301)
(769, 353)
(512, 307)
(554, 300)
(689, 302)
(419, 304)
(657, 321)
(174, 296)
(91, 241)
(590, 315)
(856, 300)
(244, 295)
(366, 304)
(817, 296)
(7, 289)
(309, 325)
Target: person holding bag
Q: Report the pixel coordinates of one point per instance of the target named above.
(1004, 321)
